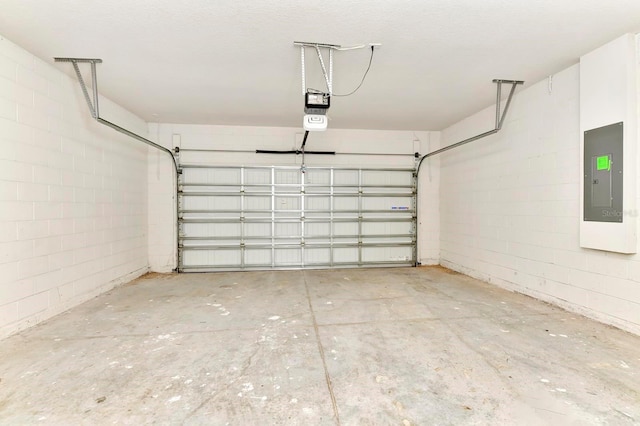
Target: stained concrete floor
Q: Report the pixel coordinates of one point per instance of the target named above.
(402, 346)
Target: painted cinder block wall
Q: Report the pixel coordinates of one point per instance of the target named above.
(73, 194)
(185, 136)
(510, 208)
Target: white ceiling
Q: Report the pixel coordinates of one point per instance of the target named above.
(233, 61)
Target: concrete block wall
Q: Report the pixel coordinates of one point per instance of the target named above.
(161, 192)
(429, 202)
(73, 208)
(510, 208)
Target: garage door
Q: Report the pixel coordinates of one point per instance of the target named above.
(244, 218)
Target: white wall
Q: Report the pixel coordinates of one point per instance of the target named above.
(510, 209)
(161, 202)
(73, 213)
(608, 95)
(429, 202)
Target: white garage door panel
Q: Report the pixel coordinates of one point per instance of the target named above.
(287, 257)
(235, 218)
(380, 254)
(258, 203)
(317, 256)
(212, 203)
(211, 230)
(258, 258)
(318, 230)
(215, 258)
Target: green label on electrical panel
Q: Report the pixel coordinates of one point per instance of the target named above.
(603, 163)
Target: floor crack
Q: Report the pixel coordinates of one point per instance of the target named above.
(321, 350)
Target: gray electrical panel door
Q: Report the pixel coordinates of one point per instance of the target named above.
(603, 174)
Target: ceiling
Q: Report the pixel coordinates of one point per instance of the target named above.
(233, 61)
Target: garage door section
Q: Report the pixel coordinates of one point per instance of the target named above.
(247, 218)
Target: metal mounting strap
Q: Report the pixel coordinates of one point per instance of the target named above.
(93, 105)
(514, 84)
(328, 76)
(328, 46)
(304, 80)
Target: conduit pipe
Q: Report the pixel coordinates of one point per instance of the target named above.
(94, 108)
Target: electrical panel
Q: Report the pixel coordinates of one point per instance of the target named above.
(609, 146)
(603, 174)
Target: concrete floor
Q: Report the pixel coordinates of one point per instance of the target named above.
(402, 346)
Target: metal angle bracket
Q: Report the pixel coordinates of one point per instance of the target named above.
(331, 46)
(499, 82)
(93, 104)
(328, 75)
